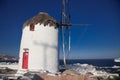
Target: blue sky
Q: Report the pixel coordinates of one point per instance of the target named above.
(101, 40)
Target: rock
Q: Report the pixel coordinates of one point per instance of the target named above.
(36, 77)
(70, 72)
(44, 76)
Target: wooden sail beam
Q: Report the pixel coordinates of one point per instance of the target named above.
(69, 25)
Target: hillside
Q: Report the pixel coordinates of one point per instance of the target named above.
(7, 57)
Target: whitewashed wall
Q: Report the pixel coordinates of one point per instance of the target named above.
(43, 48)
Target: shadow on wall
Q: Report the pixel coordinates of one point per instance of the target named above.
(45, 47)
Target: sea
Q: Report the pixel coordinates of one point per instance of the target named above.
(94, 62)
(107, 65)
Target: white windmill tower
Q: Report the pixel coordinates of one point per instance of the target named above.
(39, 43)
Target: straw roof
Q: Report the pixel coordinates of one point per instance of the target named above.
(42, 18)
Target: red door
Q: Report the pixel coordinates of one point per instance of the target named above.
(25, 60)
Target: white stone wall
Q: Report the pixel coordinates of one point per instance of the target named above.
(43, 48)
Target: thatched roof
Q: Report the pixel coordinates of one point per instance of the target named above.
(41, 18)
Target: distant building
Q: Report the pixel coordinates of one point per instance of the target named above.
(39, 44)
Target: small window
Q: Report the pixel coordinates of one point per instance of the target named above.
(32, 27)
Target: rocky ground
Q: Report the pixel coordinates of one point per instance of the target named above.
(73, 72)
(62, 77)
(65, 75)
(7, 72)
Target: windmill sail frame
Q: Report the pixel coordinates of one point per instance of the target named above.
(65, 28)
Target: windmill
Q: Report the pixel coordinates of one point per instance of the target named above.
(65, 25)
(39, 41)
